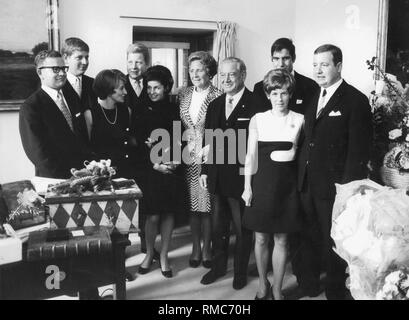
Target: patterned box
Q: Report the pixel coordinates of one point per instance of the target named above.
(119, 209)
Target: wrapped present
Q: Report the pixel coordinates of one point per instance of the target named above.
(21, 206)
(118, 208)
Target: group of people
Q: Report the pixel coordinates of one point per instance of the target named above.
(300, 138)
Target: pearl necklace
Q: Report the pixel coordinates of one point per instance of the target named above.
(116, 115)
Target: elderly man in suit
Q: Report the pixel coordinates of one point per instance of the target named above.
(229, 112)
(283, 57)
(336, 148)
(52, 126)
(75, 53)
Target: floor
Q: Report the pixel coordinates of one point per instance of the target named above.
(185, 284)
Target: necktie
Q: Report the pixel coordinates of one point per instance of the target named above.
(77, 86)
(137, 87)
(64, 109)
(321, 103)
(229, 107)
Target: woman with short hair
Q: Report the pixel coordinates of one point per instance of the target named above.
(194, 101)
(270, 188)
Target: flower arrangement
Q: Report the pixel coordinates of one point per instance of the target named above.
(391, 121)
(396, 286)
(30, 205)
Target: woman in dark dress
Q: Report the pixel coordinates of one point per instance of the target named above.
(164, 192)
(270, 193)
(108, 122)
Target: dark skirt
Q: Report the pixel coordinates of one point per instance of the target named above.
(164, 194)
(275, 206)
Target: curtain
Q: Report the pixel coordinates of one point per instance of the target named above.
(52, 25)
(224, 44)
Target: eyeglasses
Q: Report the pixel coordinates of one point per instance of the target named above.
(56, 69)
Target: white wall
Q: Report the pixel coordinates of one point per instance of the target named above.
(14, 165)
(309, 22)
(97, 22)
(351, 25)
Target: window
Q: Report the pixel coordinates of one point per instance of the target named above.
(26, 24)
(171, 47)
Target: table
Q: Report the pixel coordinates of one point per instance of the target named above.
(26, 280)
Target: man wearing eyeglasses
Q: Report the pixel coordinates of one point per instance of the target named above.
(52, 127)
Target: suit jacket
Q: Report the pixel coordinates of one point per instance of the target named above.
(225, 179)
(137, 104)
(48, 140)
(336, 145)
(88, 97)
(305, 89)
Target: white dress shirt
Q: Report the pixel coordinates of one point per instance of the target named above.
(330, 92)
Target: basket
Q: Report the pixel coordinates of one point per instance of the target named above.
(393, 178)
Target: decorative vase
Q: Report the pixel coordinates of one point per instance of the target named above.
(394, 178)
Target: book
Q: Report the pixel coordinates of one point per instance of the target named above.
(84, 241)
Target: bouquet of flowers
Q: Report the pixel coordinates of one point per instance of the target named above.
(391, 121)
(30, 203)
(396, 286)
(370, 228)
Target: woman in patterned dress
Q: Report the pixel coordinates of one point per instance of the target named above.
(194, 101)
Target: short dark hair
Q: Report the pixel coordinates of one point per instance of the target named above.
(106, 82)
(44, 54)
(283, 43)
(277, 79)
(161, 74)
(336, 52)
(73, 44)
(206, 59)
(138, 47)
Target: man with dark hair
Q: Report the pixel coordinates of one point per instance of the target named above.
(79, 86)
(283, 57)
(336, 148)
(52, 127)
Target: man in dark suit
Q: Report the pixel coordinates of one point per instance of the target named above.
(283, 57)
(52, 126)
(229, 114)
(335, 149)
(78, 86)
(137, 61)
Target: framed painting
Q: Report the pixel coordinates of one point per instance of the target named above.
(31, 26)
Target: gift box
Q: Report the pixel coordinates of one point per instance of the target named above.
(117, 209)
(20, 205)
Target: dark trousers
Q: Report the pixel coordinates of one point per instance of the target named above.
(316, 247)
(226, 210)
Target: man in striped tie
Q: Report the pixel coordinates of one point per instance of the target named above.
(52, 127)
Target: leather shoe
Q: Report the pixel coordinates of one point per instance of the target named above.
(167, 273)
(211, 277)
(239, 282)
(194, 263)
(207, 264)
(129, 276)
(269, 293)
(142, 270)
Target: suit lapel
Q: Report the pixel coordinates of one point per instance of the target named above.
(332, 103)
(240, 106)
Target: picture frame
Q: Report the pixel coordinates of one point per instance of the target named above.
(32, 26)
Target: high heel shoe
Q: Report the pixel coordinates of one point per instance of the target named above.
(207, 264)
(269, 292)
(167, 273)
(194, 263)
(142, 270)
